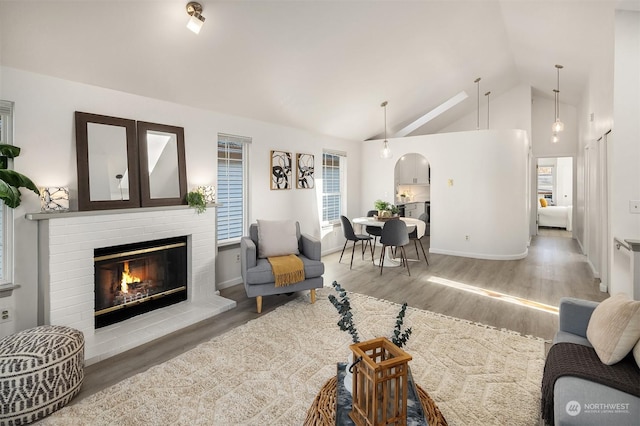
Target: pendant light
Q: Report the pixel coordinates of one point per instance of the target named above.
(385, 152)
(557, 125)
(487, 95)
(477, 82)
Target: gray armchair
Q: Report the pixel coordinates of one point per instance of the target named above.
(257, 273)
(574, 316)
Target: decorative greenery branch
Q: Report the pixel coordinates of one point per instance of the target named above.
(344, 309)
(400, 339)
(195, 199)
(343, 306)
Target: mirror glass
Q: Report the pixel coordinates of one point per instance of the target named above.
(162, 163)
(107, 154)
(163, 176)
(108, 171)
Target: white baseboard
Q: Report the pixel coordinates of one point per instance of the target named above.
(515, 256)
(229, 283)
(333, 250)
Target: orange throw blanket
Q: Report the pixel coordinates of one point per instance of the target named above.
(287, 269)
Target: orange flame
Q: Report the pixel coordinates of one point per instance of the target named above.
(127, 279)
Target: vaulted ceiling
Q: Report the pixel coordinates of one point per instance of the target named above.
(324, 66)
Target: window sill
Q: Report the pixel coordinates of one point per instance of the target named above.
(7, 289)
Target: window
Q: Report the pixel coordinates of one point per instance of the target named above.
(333, 186)
(233, 166)
(6, 214)
(545, 182)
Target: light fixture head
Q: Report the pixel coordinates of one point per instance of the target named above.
(555, 138)
(557, 126)
(196, 20)
(385, 152)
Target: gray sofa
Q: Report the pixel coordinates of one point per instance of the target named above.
(574, 318)
(257, 273)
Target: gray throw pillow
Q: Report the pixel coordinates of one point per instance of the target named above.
(277, 238)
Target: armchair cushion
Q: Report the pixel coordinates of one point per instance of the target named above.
(263, 272)
(277, 238)
(614, 328)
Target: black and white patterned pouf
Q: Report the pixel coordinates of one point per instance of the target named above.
(41, 369)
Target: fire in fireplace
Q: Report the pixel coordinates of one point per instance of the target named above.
(136, 278)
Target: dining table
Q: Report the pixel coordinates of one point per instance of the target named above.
(412, 223)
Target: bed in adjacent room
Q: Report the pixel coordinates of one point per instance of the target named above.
(555, 216)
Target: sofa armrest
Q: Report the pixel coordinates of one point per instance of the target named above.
(248, 255)
(574, 315)
(311, 247)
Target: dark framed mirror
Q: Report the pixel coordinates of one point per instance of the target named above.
(107, 158)
(163, 175)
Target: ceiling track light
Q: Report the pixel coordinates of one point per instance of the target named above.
(196, 20)
(557, 125)
(385, 152)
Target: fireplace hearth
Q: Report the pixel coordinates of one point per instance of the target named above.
(136, 278)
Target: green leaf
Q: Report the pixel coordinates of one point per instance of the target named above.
(18, 180)
(9, 194)
(10, 151)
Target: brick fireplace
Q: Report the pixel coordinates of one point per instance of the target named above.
(67, 243)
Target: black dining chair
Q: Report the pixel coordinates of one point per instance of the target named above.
(394, 234)
(376, 231)
(413, 235)
(350, 235)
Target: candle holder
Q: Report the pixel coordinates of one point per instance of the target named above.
(380, 385)
(54, 199)
(209, 193)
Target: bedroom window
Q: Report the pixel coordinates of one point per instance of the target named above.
(6, 214)
(233, 168)
(333, 186)
(545, 182)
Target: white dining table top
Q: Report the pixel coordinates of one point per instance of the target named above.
(410, 221)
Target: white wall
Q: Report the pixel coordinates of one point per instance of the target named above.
(510, 110)
(624, 148)
(488, 198)
(44, 129)
(564, 181)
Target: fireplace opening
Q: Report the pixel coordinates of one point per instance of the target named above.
(136, 278)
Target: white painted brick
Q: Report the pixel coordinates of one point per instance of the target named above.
(71, 296)
(71, 274)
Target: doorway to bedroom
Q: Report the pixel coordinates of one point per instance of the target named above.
(555, 196)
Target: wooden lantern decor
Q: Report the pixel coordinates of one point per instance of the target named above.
(380, 385)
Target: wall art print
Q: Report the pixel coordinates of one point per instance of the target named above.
(281, 168)
(304, 171)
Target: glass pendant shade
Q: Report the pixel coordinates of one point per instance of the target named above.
(557, 126)
(555, 138)
(385, 152)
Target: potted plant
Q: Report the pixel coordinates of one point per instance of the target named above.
(393, 209)
(10, 180)
(382, 207)
(196, 200)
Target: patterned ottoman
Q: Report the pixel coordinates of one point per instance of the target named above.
(41, 369)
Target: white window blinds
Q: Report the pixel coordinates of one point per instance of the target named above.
(231, 193)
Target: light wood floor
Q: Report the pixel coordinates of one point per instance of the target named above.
(554, 268)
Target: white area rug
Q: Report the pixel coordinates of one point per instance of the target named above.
(268, 371)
